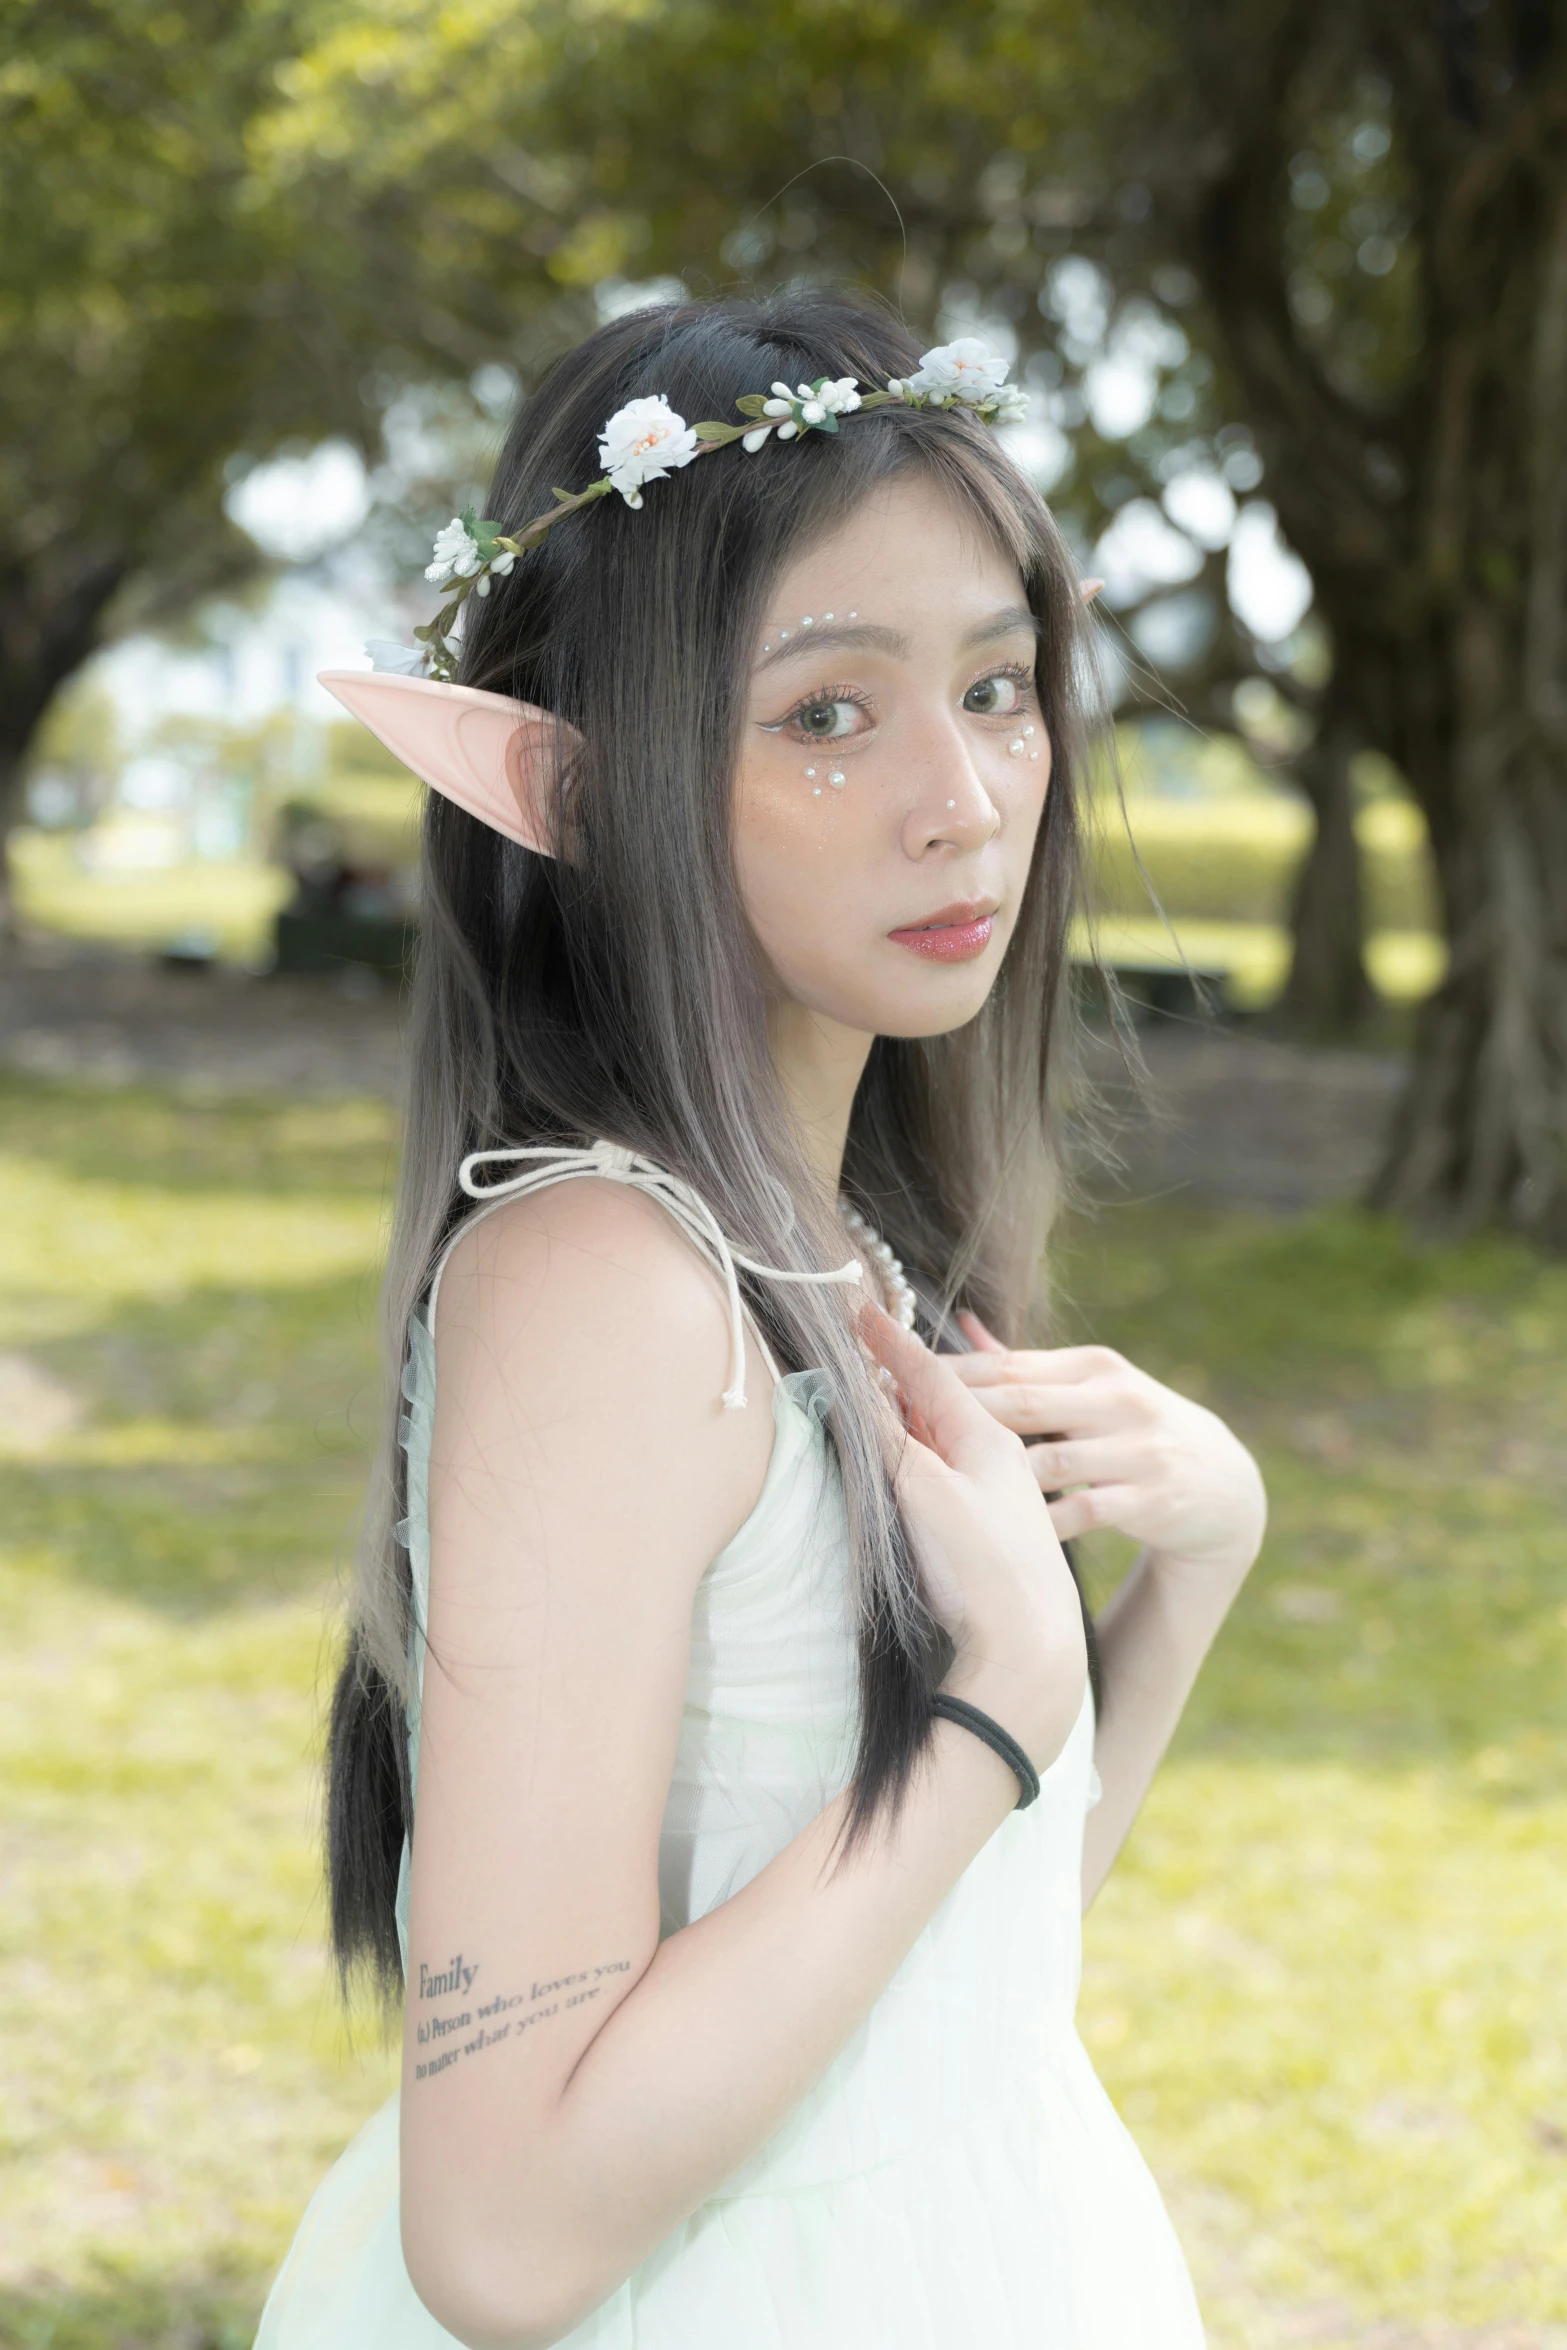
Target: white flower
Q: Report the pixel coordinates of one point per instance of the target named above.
(1011, 405)
(806, 406)
(752, 441)
(496, 568)
(642, 442)
(400, 660)
(964, 370)
(456, 554)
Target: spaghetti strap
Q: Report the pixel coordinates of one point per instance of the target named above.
(546, 1164)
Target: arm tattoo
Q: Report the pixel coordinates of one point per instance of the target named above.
(471, 2026)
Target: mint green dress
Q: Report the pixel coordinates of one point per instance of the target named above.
(958, 2179)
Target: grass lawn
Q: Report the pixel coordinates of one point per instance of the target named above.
(1325, 1984)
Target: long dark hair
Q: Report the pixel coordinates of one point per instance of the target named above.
(619, 993)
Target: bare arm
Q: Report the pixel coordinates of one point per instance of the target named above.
(573, 2088)
(1119, 1449)
(1153, 1636)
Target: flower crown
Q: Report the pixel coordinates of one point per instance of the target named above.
(646, 440)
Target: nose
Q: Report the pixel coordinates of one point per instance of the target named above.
(949, 805)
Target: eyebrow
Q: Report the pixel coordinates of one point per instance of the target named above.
(861, 637)
(867, 637)
(1011, 620)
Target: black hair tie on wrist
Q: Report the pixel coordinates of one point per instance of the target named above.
(1002, 1742)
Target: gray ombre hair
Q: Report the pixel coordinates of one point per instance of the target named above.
(621, 993)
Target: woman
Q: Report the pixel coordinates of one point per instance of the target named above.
(722, 1621)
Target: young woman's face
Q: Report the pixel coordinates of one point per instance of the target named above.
(894, 767)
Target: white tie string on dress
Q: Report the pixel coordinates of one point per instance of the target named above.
(554, 1164)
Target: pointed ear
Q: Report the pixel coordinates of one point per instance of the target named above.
(1089, 588)
(497, 758)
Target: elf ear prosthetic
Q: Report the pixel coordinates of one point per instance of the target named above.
(497, 758)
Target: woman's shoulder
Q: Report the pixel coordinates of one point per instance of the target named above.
(584, 1249)
(585, 1308)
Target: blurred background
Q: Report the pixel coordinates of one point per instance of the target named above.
(1287, 284)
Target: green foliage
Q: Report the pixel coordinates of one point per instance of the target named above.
(944, 157)
(143, 275)
(232, 232)
(1354, 285)
(1323, 1983)
(190, 278)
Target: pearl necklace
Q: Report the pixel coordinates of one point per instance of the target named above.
(896, 1288)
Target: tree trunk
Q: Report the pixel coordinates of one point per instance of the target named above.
(50, 614)
(1327, 993)
(1435, 530)
(1482, 1135)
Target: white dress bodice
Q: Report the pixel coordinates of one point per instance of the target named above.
(957, 2179)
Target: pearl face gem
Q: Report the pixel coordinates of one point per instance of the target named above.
(1017, 748)
(826, 615)
(837, 778)
(952, 803)
(1028, 730)
(807, 622)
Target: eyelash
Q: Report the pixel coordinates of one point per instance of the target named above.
(1022, 676)
(823, 696)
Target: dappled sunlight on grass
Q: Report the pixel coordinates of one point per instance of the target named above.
(216, 1437)
(189, 1380)
(1324, 1984)
(1329, 2005)
(1326, 1981)
(184, 2072)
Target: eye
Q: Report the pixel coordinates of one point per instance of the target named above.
(1003, 695)
(829, 715)
(823, 721)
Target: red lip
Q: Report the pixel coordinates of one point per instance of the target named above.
(954, 935)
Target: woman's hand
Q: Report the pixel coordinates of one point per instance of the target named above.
(1119, 1449)
(991, 1564)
